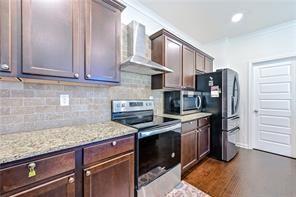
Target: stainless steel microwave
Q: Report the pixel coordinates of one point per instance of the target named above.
(182, 102)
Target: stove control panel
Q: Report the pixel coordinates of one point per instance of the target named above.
(131, 105)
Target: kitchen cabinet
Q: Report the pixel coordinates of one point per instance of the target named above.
(188, 68)
(50, 31)
(188, 149)
(110, 178)
(64, 186)
(208, 65)
(173, 60)
(169, 50)
(195, 142)
(204, 141)
(62, 41)
(7, 34)
(97, 169)
(199, 62)
(102, 35)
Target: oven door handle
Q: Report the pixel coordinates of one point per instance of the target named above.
(159, 130)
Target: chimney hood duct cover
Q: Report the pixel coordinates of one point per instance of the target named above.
(137, 63)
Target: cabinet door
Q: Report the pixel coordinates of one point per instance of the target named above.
(204, 141)
(188, 149)
(112, 178)
(173, 60)
(208, 65)
(199, 62)
(188, 67)
(61, 187)
(6, 35)
(50, 38)
(102, 36)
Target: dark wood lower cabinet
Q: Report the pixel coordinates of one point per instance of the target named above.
(204, 141)
(111, 178)
(195, 142)
(110, 172)
(61, 187)
(188, 149)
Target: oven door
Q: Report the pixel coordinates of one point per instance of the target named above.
(190, 102)
(158, 151)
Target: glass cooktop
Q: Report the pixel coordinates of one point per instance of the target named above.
(143, 122)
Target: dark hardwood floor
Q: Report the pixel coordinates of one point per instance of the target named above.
(250, 174)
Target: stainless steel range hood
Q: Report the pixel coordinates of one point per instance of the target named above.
(136, 61)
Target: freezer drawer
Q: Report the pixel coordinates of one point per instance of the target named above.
(230, 123)
(229, 148)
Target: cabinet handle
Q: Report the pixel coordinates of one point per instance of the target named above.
(71, 180)
(76, 75)
(4, 67)
(88, 76)
(114, 143)
(87, 173)
(31, 168)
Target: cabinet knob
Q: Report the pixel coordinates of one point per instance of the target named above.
(88, 76)
(71, 180)
(76, 75)
(114, 143)
(4, 67)
(87, 173)
(191, 122)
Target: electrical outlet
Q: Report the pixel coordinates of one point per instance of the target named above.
(64, 100)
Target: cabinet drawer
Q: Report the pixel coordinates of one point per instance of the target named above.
(203, 121)
(18, 176)
(189, 126)
(107, 149)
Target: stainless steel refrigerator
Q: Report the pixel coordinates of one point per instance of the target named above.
(221, 92)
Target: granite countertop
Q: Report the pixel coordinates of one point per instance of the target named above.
(27, 144)
(188, 117)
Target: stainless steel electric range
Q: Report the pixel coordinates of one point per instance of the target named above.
(158, 145)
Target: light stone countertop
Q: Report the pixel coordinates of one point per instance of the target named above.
(188, 117)
(23, 145)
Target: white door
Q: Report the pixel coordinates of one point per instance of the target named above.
(275, 106)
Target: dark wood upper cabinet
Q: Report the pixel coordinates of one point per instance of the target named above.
(188, 68)
(64, 186)
(188, 149)
(173, 60)
(173, 52)
(199, 62)
(102, 40)
(204, 141)
(50, 38)
(112, 178)
(208, 65)
(8, 26)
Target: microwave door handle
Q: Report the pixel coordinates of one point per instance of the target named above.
(199, 99)
(159, 130)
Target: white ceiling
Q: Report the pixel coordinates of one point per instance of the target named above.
(210, 20)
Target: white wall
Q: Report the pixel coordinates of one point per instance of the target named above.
(237, 53)
(136, 11)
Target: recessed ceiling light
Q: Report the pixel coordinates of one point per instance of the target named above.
(237, 17)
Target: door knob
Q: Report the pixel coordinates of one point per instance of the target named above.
(76, 75)
(256, 111)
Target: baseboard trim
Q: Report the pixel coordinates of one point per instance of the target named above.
(241, 145)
